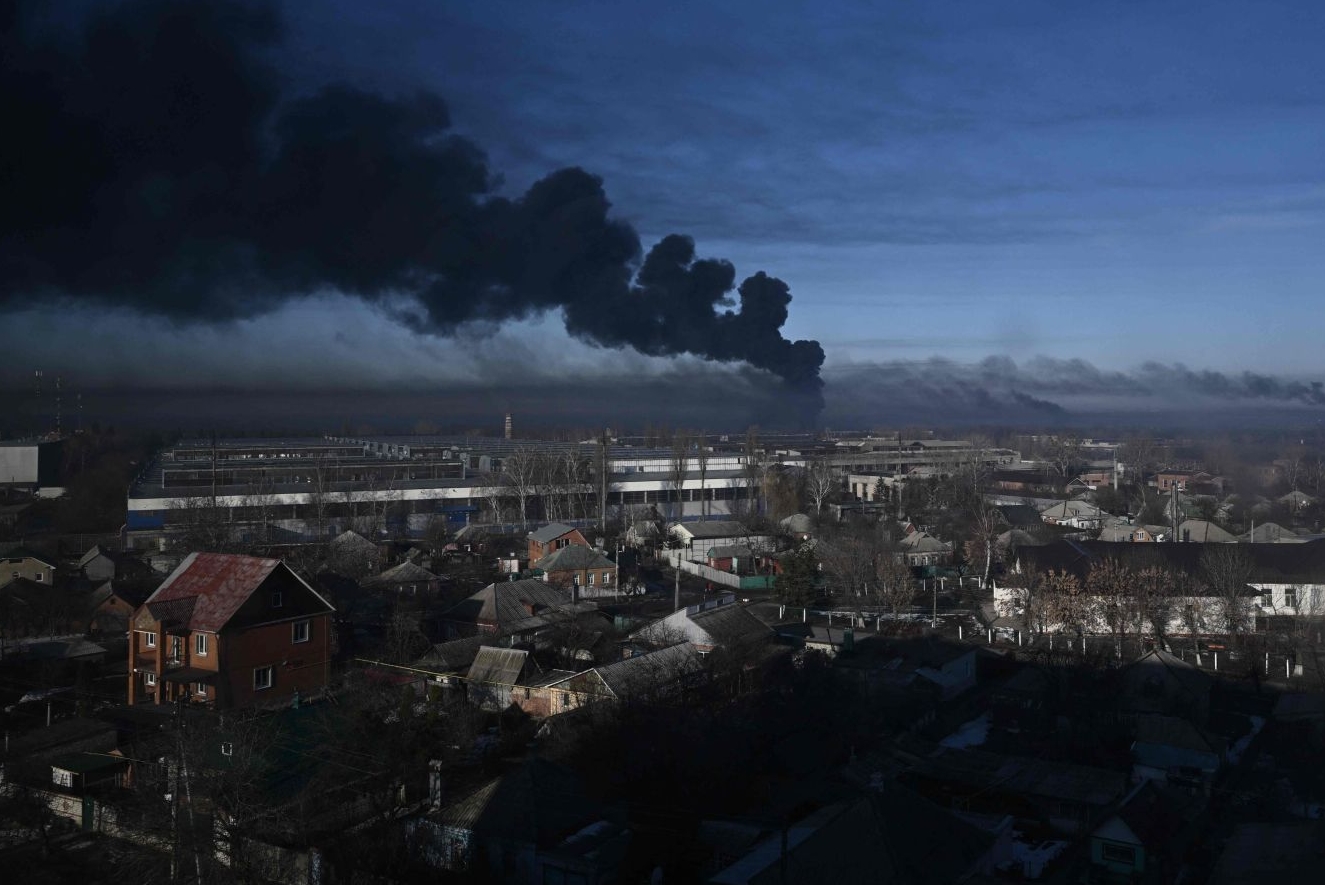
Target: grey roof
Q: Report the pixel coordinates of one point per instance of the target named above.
(1203, 530)
(502, 666)
(550, 532)
(715, 528)
(731, 624)
(352, 540)
(574, 557)
(507, 603)
(405, 573)
(454, 655)
(730, 551)
(643, 673)
(798, 522)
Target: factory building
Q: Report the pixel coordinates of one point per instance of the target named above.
(315, 488)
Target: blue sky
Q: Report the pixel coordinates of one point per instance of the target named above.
(1116, 181)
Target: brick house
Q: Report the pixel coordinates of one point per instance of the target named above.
(551, 538)
(586, 569)
(231, 631)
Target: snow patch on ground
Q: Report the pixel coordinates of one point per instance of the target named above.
(1235, 752)
(971, 734)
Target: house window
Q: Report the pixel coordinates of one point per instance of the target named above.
(1290, 597)
(149, 639)
(62, 778)
(276, 600)
(227, 748)
(39, 577)
(300, 631)
(590, 579)
(262, 678)
(200, 689)
(200, 644)
(1114, 853)
(149, 679)
(175, 648)
(607, 578)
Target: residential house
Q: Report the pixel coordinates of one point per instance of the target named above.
(1296, 500)
(499, 678)
(350, 553)
(941, 668)
(99, 565)
(230, 630)
(1144, 839)
(406, 579)
(1124, 531)
(697, 538)
(1037, 791)
(667, 673)
(712, 624)
(583, 568)
(1269, 533)
(922, 548)
(110, 607)
(1202, 531)
(550, 538)
(1172, 750)
(535, 824)
(1159, 683)
(1074, 514)
(18, 562)
(731, 558)
(1188, 480)
(1024, 702)
(512, 608)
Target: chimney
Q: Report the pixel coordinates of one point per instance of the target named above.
(508, 425)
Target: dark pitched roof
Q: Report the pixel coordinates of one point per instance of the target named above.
(716, 528)
(642, 674)
(574, 557)
(731, 624)
(550, 532)
(540, 803)
(207, 589)
(1020, 515)
(508, 602)
(405, 573)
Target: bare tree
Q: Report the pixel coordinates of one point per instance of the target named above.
(520, 470)
(702, 462)
(895, 586)
(678, 468)
(1065, 601)
(1064, 453)
(1226, 570)
(1109, 584)
(821, 480)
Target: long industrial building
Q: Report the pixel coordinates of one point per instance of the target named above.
(314, 488)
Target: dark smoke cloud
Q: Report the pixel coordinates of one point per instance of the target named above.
(154, 161)
(999, 389)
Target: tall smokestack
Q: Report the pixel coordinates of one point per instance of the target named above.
(508, 425)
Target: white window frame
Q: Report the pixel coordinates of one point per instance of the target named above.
(277, 599)
(260, 684)
(39, 577)
(200, 689)
(200, 644)
(149, 679)
(62, 777)
(294, 631)
(590, 579)
(149, 639)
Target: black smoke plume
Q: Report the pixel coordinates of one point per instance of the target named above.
(153, 161)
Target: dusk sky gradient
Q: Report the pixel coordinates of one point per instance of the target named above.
(1115, 182)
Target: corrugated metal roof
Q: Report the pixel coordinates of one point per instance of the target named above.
(221, 583)
(501, 666)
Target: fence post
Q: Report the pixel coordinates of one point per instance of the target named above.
(1216, 660)
(991, 635)
(805, 615)
(1267, 663)
(960, 632)
(782, 612)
